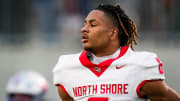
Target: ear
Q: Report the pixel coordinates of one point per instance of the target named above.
(114, 34)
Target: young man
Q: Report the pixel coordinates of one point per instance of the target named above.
(108, 69)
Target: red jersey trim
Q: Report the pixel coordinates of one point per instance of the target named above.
(140, 86)
(63, 88)
(103, 65)
(161, 70)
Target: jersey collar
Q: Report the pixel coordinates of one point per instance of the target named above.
(101, 66)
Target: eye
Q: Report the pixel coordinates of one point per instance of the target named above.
(93, 25)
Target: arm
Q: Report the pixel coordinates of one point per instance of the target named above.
(159, 91)
(64, 96)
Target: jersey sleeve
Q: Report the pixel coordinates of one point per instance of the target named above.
(150, 70)
(60, 74)
(57, 71)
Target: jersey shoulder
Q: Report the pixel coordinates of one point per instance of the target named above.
(144, 58)
(148, 66)
(66, 61)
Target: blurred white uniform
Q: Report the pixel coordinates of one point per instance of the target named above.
(27, 83)
(118, 79)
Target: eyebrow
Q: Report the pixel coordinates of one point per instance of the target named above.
(92, 20)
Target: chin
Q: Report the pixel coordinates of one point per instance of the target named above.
(87, 48)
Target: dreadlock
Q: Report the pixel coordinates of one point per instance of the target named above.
(127, 28)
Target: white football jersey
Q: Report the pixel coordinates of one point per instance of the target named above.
(118, 79)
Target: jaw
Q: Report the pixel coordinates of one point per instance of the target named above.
(92, 49)
(87, 46)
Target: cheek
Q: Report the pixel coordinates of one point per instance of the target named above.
(99, 37)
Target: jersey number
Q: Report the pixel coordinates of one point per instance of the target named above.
(98, 99)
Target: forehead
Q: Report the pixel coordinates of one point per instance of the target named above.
(96, 15)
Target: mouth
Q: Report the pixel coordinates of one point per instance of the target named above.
(84, 38)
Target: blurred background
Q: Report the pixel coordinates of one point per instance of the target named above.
(34, 33)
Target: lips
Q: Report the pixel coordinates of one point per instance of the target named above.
(84, 38)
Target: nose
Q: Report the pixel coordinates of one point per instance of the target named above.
(84, 29)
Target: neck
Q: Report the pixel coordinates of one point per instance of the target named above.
(104, 52)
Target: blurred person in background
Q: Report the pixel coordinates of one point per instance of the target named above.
(46, 11)
(109, 69)
(14, 20)
(26, 86)
(85, 6)
(70, 22)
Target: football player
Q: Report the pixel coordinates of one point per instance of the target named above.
(109, 69)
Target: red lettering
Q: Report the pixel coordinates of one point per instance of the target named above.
(98, 99)
(79, 91)
(89, 86)
(94, 89)
(84, 89)
(119, 88)
(75, 91)
(113, 88)
(102, 88)
(108, 88)
(125, 89)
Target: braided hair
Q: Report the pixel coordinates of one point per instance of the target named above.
(127, 28)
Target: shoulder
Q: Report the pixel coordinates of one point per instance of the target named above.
(139, 58)
(144, 58)
(68, 57)
(144, 54)
(65, 61)
(148, 66)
